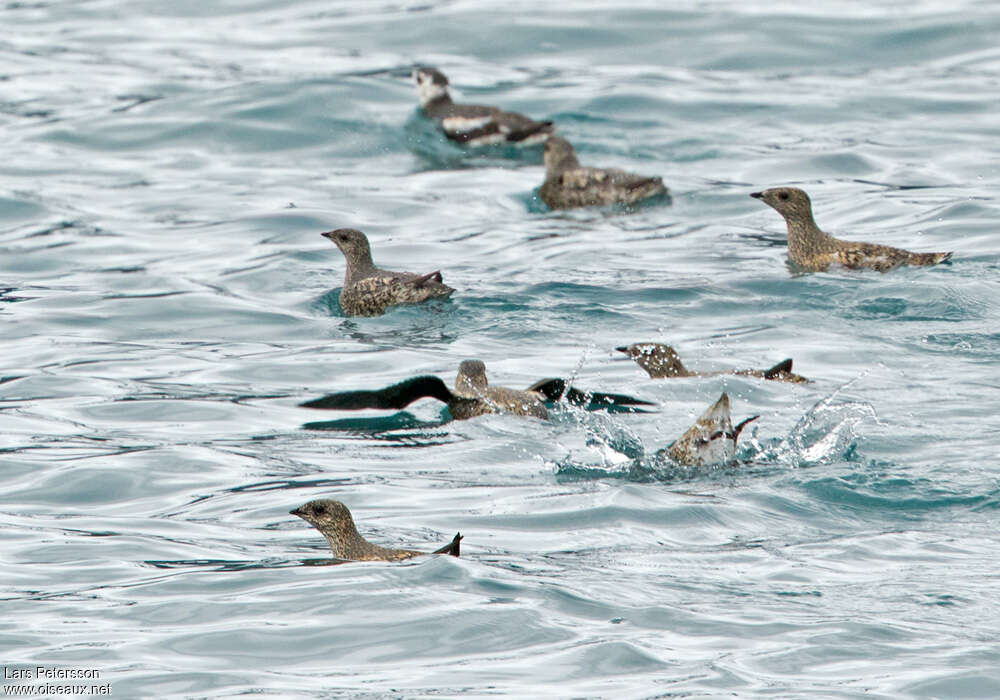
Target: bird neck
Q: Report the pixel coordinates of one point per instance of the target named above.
(436, 102)
(344, 539)
(564, 163)
(342, 536)
(805, 237)
(359, 266)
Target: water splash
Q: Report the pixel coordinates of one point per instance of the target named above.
(827, 431)
(610, 447)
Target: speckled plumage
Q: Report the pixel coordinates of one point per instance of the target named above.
(473, 125)
(712, 439)
(473, 396)
(476, 397)
(661, 361)
(568, 184)
(813, 250)
(334, 521)
(368, 290)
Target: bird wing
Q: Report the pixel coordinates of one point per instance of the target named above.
(482, 124)
(877, 257)
(589, 178)
(465, 123)
(422, 280)
(400, 287)
(397, 396)
(556, 389)
(387, 281)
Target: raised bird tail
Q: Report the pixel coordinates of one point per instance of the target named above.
(783, 367)
(453, 548)
(742, 424)
(429, 277)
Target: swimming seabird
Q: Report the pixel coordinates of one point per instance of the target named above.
(334, 521)
(369, 290)
(474, 125)
(813, 250)
(662, 361)
(712, 439)
(568, 184)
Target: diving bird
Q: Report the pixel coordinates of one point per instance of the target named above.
(474, 396)
(815, 251)
(568, 184)
(473, 125)
(662, 361)
(369, 290)
(712, 439)
(334, 521)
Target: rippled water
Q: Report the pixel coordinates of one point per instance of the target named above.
(166, 301)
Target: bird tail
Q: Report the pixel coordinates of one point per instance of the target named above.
(453, 548)
(650, 183)
(742, 424)
(646, 189)
(429, 277)
(928, 258)
(783, 367)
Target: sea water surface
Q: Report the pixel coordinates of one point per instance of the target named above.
(166, 301)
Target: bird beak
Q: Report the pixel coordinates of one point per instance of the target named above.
(327, 234)
(295, 512)
(755, 195)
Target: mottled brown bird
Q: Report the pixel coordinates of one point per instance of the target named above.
(712, 439)
(369, 290)
(661, 361)
(568, 184)
(813, 250)
(334, 521)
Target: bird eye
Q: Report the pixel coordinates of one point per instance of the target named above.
(783, 195)
(319, 509)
